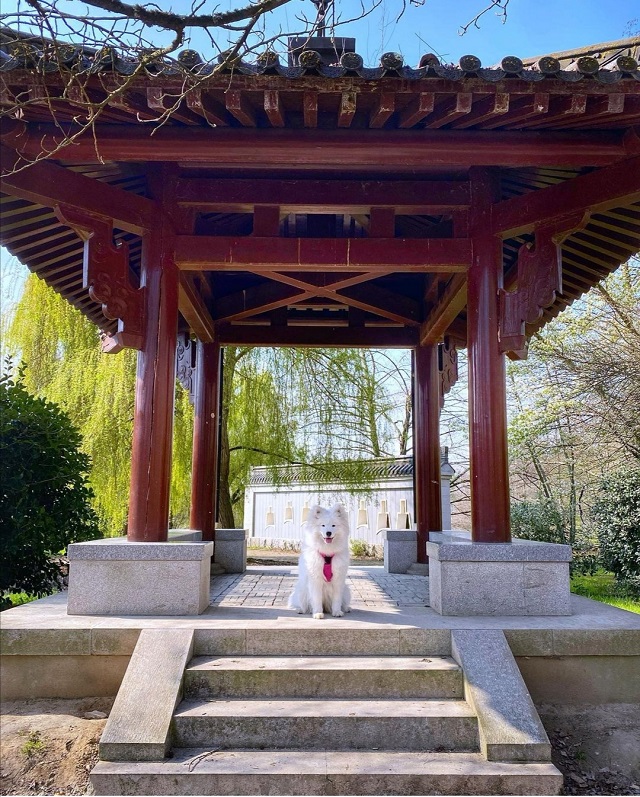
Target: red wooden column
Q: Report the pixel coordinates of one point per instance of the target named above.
(426, 445)
(155, 389)
(204, 462)
(487, 385)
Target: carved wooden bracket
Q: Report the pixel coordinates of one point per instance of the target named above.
(186, 364)
(539, 281)
(106, 277)
(448, 362)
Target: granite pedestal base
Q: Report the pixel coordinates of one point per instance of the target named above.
(231, 550)
(117, 577)
(521, 578)
(400, 549)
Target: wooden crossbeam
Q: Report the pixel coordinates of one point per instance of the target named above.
(48, 184)
(318, 337)
(225, 195)
(419, 150)
(608, 187)
(373, 255)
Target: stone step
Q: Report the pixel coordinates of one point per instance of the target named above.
(333, 637)
(304, 772)
(353, 677)
(327, 724)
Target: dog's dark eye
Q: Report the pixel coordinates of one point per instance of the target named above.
(333, 525)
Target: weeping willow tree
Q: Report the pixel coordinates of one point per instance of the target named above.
(329, 410)
(60, 351)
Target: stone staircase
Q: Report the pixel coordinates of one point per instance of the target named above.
(311, 722)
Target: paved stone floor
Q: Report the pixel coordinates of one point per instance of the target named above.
(370, 587)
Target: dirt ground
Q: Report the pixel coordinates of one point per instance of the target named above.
(49, 748)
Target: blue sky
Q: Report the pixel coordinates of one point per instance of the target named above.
(533, 27)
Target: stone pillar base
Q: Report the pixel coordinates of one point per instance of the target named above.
(519, 578)
(400, 549)
(230, 550)
(114, 576)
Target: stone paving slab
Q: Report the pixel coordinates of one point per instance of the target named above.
(370, 588)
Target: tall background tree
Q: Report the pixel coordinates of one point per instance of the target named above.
(575, 404)
(327, 409)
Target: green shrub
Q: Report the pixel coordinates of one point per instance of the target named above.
(539, 520)
(360, 549)
(616, 515)
(45, 500)
(543, 521)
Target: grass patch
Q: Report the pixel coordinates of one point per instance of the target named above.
(33, 745)
(10, 599)
(603, 587)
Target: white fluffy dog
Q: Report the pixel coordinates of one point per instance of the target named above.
(323, 564)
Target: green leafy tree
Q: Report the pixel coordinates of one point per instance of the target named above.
(46, 501)
(60, 350)
(539, 520)
(616, 513)
(575, 403)
(328, 409)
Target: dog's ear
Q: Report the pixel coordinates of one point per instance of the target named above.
(339, 511)
(316, 512)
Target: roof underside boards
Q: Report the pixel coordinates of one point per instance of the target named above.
(590, 92)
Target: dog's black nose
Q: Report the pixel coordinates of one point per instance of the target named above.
(329, 533)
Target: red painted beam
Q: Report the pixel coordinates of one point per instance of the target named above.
(322, 196)
(597, 191)
(318, 337)
(51, 185)
(373, 150)
(222, 253)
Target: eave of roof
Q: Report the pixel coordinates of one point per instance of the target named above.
(606, 96)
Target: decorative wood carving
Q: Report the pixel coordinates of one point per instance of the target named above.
(539, 282)
(448, 357)
(106, 277)
(186, 364)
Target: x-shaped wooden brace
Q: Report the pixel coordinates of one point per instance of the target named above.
(387, 304)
